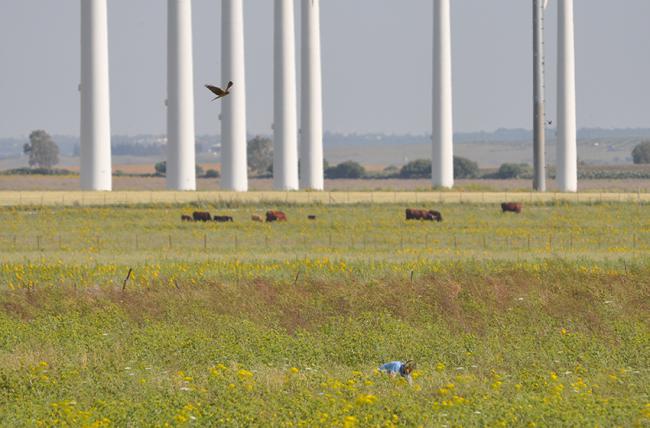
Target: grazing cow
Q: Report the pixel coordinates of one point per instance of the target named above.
(223, 219)
(431, 215)
(201, 216)
(272, 216)
(512, 207)
(186, 218)
(434, 215)
(257, 218)
(311, 217)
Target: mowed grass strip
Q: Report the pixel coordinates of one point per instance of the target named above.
(344, 197)
(548, 343)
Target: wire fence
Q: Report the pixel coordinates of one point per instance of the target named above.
(54, 198)
(232, 242)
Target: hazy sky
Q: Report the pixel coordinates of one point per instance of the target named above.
(377, 57)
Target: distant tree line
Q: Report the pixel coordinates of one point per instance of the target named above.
(44, 155)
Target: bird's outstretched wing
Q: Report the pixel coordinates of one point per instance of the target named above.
(216, 90)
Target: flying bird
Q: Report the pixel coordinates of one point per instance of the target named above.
(219, 92)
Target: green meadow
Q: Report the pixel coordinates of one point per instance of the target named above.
(538, 319)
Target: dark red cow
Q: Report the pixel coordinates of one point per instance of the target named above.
(512, 207)
(223, 219)
(272, 216)
(201, 216)
(311, 217)
(186, 218)
(415, 214)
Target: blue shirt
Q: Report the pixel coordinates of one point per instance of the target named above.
(396, 367)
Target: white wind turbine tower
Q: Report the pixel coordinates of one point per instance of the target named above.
(442, 161)
(539, 119)
(181, 172)
(95, 147)
(567, 161)
(311, 129)
(285, 126)
(234, 174)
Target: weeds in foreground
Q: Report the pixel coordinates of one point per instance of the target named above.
(546, 343)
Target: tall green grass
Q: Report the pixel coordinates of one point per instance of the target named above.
(549, 343)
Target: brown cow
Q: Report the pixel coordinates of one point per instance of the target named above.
(311, 217)
(415, 214)
(223, 218)
(272, 216)
(434, 215)
(512, 207)
(186, 218)
(257, 218)
(201, 216)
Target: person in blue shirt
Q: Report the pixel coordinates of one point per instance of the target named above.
(397, 367)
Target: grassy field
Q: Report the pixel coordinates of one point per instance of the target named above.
(250, 324)
(360, 232)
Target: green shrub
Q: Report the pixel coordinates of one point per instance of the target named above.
(465, 168)
(420, 168)
(349, 169)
